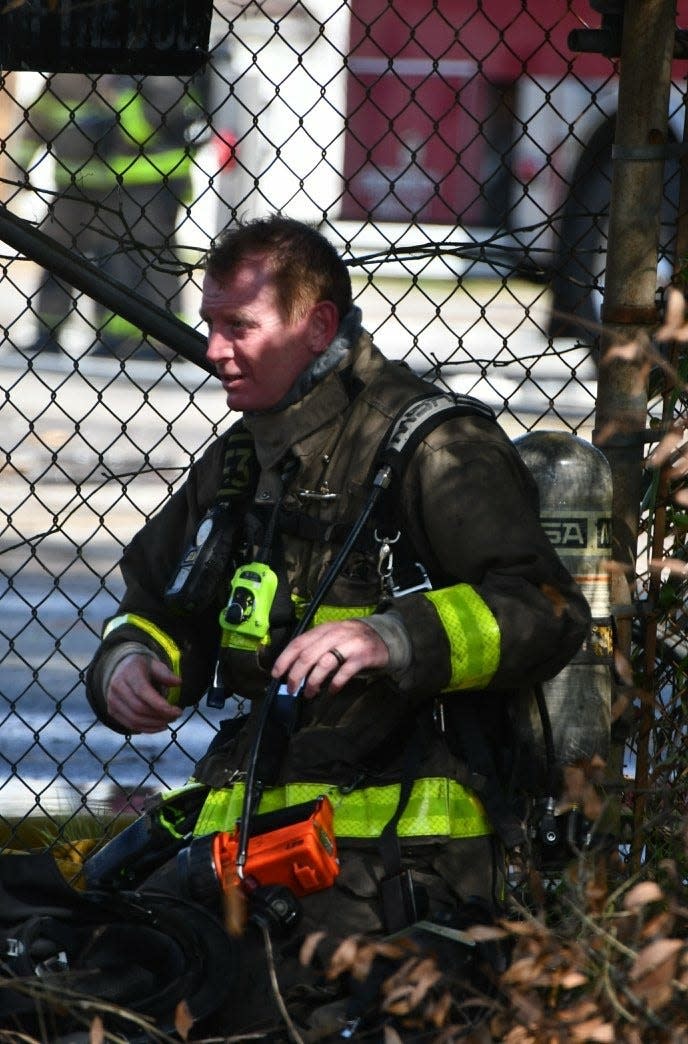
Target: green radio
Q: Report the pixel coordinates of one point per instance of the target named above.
(245, 620)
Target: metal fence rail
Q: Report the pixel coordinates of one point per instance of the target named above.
(458, 154)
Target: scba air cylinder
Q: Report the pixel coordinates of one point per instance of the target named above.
(575, 485)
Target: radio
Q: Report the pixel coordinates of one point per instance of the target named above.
(247, 613)
(203, 564)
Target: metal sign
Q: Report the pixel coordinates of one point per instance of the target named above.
(130, 36)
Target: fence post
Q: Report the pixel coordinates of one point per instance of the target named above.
(629, 312)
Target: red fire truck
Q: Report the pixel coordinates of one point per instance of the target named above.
(481, 115)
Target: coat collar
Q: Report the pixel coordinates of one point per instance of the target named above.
(306, 426)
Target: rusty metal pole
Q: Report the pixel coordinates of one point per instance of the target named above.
(629, 312)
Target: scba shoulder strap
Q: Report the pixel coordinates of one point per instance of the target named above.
(418, 418)
(422, 416)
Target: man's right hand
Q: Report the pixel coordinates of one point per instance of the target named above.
(134, 698)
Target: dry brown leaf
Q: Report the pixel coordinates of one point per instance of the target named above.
(634, 351)
(667, 445)
(368, 951)
(438, 1010)
(528, 1007)
(597, 768)
(575, 784)
(96, 1033)
(653, 971)
(530, 928)
(183, 1020)
(671, 565)
(578, 1012)
(655, 955)
(519, 1035)
(404, 994)
(673, 329)
(594, 1030)
(641, 894)
(637, 357)
(614, 567)
(395, 950)
(569, 979)
(621, 703)
(309, 946)
(363, 961)
(679, 466)
(522, 972)
(343, 957)
(655, 991)
(486, 932)
(401, 975)
(624, 669)
(661, 924)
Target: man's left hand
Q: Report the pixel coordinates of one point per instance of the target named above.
(330, 655)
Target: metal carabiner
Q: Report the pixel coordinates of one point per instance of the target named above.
(385, 558)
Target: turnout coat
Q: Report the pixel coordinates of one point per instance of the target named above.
(502, 613)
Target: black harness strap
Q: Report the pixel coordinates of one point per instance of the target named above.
(407, 430)
(419, 418)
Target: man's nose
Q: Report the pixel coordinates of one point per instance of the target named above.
(219, 346)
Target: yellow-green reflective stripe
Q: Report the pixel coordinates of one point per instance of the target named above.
(473, 635)
(328, 613)
(151, 167)
(132, 117)
(168, 644)
(125, 170)
(436, 808)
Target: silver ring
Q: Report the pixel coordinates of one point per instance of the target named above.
(338, 656)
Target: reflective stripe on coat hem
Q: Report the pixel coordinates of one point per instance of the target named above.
(437, 808)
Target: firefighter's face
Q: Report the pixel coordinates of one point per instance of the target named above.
(257, 353)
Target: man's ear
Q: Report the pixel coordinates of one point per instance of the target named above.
(322, 326)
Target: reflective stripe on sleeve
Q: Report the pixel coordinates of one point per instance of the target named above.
(334, 613)
(473, 634)
(330, 613)
(437, 808)
(167, 644)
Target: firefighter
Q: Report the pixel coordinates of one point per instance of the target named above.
(122, 166)
(451, 599)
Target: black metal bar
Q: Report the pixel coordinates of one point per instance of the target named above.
(120, 299)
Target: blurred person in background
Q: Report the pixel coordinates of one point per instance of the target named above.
(122, 159)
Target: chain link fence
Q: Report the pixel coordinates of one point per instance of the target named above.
(458, 154)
